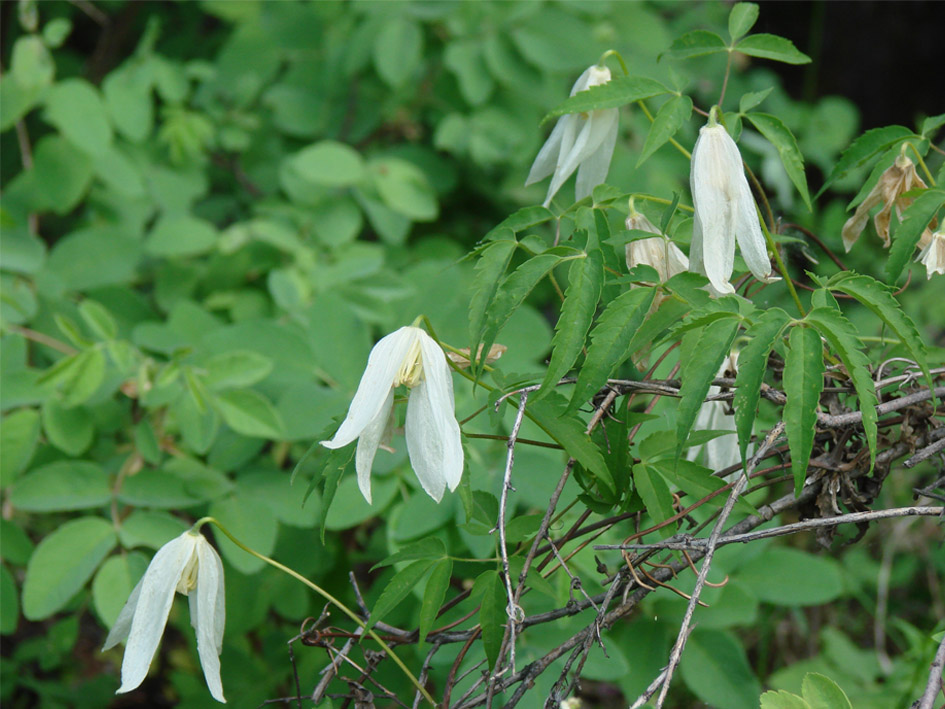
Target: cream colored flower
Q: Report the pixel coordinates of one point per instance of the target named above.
(900, 177)
(932, 255)
(722, 452)
(724, 211)
(659, 252)
(187, 565)
(410, 357)
(580, 141)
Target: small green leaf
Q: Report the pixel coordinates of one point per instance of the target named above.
(615, 93)
(87, 376)
(782, 700)
(802, 579)
(329, 163)
(610, 338)
(741, 19)
(915, 220)
(697, 43)
(237, 368)
(769, 46)
(865, 148)
(63, 562)
(524, 218)
(489, 269)
(76, 108)
(803, 384)
(492, 614)
(780, 136)
(433, 596)
(655, 495)
(932, 124)
(60, 486)
(753, 98)
(251, 521)
(249, 413)
(398, 49)
(99, 320)
(113, 584)
(712, 346)
(428, 548)
(670, 118)
(398, 588)
(585, 280)
(404, 188)
(752, 365)
(19, 433)
(821, 692)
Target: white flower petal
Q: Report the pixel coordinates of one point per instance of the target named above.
(547, 159)
(593, 170)
(383, 363)
(154, 604)
(932, 255)
(122, 626)
(750, 239)
(368, 442)
(208, 614)
(433, 437)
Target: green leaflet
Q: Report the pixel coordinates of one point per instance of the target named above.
(398, 588)
(655, 495)
(489, 270)
(670, 118)
(433, 596)
(741, 19)
(609, 341)
(879, 299)
(770, 46)
(863, 149)
(697, 43)
(780, 136)
(492, 613)
(670, 311)
(914, 221)
(841, 335)
(803, 384)
(616, 92)
(429, 548)
(752, 364)
(585, 280)
(524, 218)
(713, 345)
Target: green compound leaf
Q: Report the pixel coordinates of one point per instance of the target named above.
(670, 118)
(697, 43)
(63, 562)
(770, 46)
(780, 136)
(752, 365)
(879, 299)
(803, 384)
(843, 339)
(615, 93)
(915, 219)
(610, 340)
(585, 280)
(398, 589)
(863, 149)
(433, 596)
(712, 346)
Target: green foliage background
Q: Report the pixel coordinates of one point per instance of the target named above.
(203, 237)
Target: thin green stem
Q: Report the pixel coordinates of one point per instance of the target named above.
(781, 267)
(328, 597)
(922, 164)
(614, 53)
(661, 200)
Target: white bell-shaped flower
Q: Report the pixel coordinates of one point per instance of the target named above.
(724, 211)
(580, 141)
(189, 565)
(410, 357)
(721, 452)
(932, 254)
(659, 252)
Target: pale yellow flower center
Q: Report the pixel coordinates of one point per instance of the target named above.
(410, 373)
(188, 579)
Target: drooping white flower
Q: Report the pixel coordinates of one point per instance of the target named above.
(410, 357)
(932, 255)
(659, 252)
(189, 565)
(722, 452)
(580, 141)
(724, 211)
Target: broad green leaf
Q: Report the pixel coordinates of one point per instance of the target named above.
(398, 49)
(70, 430)
(87, 376)
(253, 523)
(610, 339)
(99, 320)
(433, 596)
(712, 346)
(864, 148)
(492, 613)
(932, 124)
(769, 46)
(843, 339)
(76, 108)
(149, 528)
(329, 163)
(880, 300)
(489, 269)
(821, 692)
(669, 119)
(62, 174)
(63, 485)
(398, 588)
(585, 280)
(616, 92)
(249, 413)
(31, 64)
(655, 495)
(63, 562)
(803, 384)
(428, 548)
(780, 136)
(181, 235)
(238, 368)
(752, 365)
(113, 584)
(716, 670)
(782, 700)
(405, 189)
(791, 577)
(741, 19)
(697, 43)
(915, 220)
(567, 430)
(19, 433)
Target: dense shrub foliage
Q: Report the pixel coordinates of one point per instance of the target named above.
(211, 212)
